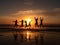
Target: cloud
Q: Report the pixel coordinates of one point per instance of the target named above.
(46, 12)
(14, 6)
(53, 12)
(28, 2)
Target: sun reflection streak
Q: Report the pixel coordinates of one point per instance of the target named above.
(28, 35)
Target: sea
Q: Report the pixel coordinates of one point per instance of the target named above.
(28, 37)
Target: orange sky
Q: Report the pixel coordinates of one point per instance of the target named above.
(21, 9)
(28, 14)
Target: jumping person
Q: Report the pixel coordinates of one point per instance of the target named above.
(15, 23)
(25, 23)
(41, 21)
(36, 21)
(22, 21)
(29, 24)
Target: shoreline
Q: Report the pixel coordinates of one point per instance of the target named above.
(21, 29)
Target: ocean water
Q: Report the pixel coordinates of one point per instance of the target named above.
(30, 38)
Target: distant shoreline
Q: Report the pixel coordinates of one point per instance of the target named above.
(13, 29)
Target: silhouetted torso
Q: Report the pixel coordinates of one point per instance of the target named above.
(16, 23)
(25, 23)
(30, 24)
(41, 21)
(36, 21)
(22, 21)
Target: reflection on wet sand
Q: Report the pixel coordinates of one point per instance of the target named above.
(30, 38)
(42, 36)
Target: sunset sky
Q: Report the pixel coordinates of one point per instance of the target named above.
(10, 10)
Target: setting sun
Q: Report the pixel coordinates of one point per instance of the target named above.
(28, 21)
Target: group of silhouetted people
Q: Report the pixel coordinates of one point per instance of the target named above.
(36, 22)
(22, 23)
(41, 21)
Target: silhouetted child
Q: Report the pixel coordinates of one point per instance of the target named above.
(41, 21)
(25, 23)
(22, 21)
(15, 23)
(36, 21)
(29, 24)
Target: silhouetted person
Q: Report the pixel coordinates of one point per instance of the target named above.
(41, 21)
(22, 21)
(36, 21)
(16, 23)
(25, 23)
(30, 24)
